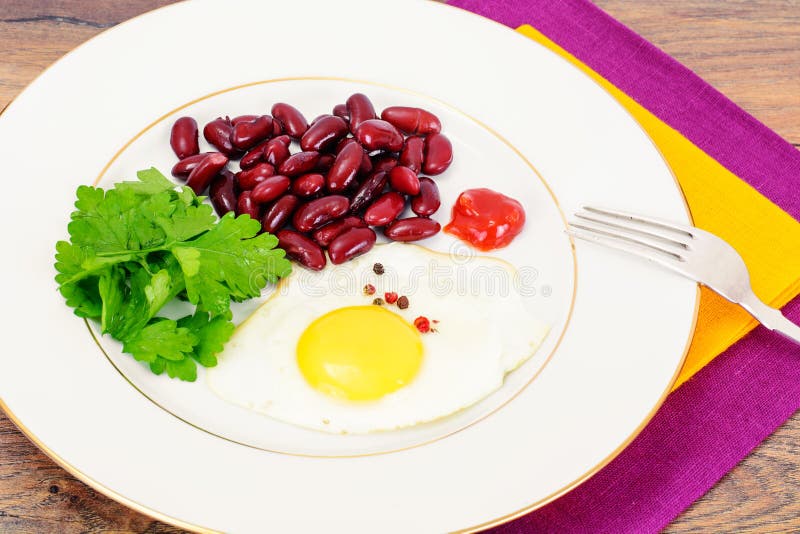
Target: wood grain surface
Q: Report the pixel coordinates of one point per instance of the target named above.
(749, 49)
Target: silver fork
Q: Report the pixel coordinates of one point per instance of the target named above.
(694, 253)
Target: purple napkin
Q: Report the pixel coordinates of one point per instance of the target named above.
(717, 417)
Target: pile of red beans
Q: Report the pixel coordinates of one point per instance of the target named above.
(354, 171)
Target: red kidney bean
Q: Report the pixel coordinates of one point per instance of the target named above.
(340, 110)
(254, 156)
(276, 150)
(325, 162)
(323, 133)
(293, 122)
(223, 192)
(186, 165)
(412, 120)
(314, 214)
(277, 128)
(253, 176)
(299, 163)
(324, 235)
(384, 210)
(376, 134)
(205, 171)
(345, 166)
(438, 154)
(427, 202)
(366, 164)
(285, 139)
(245, 205)
(404, 180)
(412, 154)
(218, 132)
(247, 134)
(352, 243)
(369, 190)
(308, 185)
(243, 118)
(277, 215)
(301, 249)
(343, 143)
(360, 109)
(183, 138)
(270, 189)
(411, 229)
(383, 162)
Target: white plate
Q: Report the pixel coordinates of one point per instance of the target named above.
(522, 121)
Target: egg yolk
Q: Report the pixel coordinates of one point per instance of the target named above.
(359, 353)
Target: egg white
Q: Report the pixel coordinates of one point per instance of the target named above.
(482, 333)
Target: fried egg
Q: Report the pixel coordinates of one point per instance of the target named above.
(322, 353)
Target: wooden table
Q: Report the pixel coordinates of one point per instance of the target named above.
(749, 49)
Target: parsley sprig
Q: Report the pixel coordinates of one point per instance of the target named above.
(135, 247)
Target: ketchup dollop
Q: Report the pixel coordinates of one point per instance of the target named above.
(486, 219)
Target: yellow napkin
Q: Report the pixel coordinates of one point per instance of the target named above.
(767, 237)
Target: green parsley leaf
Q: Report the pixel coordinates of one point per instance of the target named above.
(228, 262)
(112, 289)
(212, 334)
(151, 182)
(184, 369)
(161, 338)
(84, 296)
(111, 226)
(78, 278)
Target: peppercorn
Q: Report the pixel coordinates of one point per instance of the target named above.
(378, 301)
(402, 302)
(390, 297)
(378, 268)
(422, 324)
(369, 289)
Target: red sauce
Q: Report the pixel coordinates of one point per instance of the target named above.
(486, 219)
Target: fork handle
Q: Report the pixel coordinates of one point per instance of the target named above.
(771, 317)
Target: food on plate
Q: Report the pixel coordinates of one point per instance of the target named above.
(385, 209)
(183, 138)
(404, 180)
(278, 213)
(351, 243)
(438, 154)
(486, 219)
(411, 229)
(184, 167)
(427, 201)
(324, 133)
(398, 344)
(290, 118)
(412, 120)
(351, 164)
(218, 133)
(250, 131)
(222, 192)
(205, 171)
(139, 245)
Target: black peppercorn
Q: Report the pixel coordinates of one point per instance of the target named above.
(402, 302)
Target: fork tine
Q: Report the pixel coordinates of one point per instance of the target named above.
(644, 220)
(661, 237)
(650, 245)
(666, 259)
